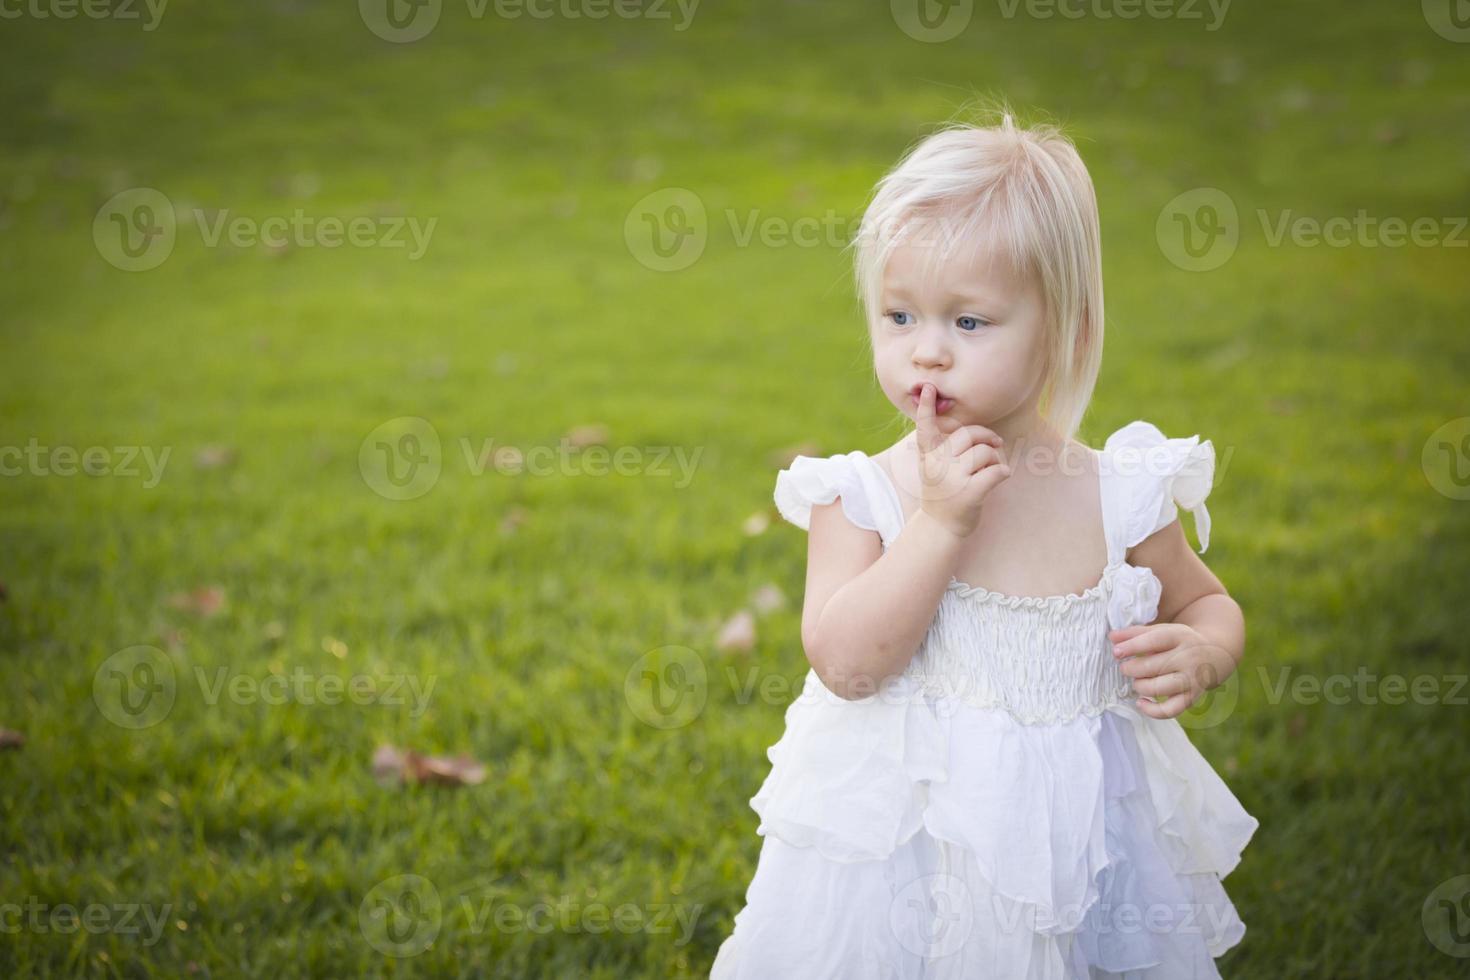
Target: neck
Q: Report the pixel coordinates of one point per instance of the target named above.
(1027, 431)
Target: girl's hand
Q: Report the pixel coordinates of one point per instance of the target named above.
(1172, 661)
(958, 466)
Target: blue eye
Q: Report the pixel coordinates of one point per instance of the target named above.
(970, 324)
(894, 316)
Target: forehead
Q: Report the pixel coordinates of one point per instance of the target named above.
(928, 261)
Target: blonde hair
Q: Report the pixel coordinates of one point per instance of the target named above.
(1028, 188)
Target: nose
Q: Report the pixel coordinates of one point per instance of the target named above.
(930, 349)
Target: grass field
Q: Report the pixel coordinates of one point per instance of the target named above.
(236, 828)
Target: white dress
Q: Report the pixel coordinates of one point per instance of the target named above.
(1001, 810)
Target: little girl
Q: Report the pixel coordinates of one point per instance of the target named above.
(976, 780)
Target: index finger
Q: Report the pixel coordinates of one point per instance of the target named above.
(932, 428)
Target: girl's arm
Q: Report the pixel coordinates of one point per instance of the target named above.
(1197, 641)
(866, 612)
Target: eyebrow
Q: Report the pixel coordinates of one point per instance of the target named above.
(979, 299)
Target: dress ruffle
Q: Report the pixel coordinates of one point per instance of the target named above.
(1162, 475)
(812, 480)
(1047, 841)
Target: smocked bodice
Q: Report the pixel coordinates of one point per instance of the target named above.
(1043, 659)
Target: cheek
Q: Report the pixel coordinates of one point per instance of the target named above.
(1002, 369)
(1021, 357)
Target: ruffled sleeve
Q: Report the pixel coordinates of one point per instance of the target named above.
(812, 480)
(1161, 475)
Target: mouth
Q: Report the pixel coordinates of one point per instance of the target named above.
(942, 403)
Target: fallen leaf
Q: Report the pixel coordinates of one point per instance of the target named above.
(392, 764)
(756, 523)
(738, 633)
(767, 599)
(1388, 132)
(513, 519)
(11, 739)
(1281, 406)
(215, 457)
(205, 601)
(583, 436)
(387, 764)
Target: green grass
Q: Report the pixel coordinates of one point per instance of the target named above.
(255, 831)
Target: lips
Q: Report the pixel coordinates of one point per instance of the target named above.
(942, 403)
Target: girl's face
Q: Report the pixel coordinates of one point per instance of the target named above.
(977, 332)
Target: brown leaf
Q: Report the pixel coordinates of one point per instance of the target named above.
(738, 633)
(391, 764)
(583, 436)
(205, 601)
(215, 457)
(4, 593)
(11, 739)
(513, 519)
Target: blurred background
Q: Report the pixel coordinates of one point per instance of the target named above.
(392, 396)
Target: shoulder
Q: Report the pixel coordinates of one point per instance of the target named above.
(1154, 475)
(895, 457)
